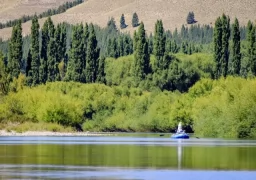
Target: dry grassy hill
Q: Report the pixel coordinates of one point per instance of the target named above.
(172, 12)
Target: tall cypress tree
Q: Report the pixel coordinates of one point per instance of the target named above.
(159, 45)
(92, 57)
(15, 51)
(35, 51)
(141, 55)
(218, 46)
(236, 52)
(225, 45)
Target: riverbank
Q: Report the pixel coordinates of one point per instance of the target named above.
(49, 133)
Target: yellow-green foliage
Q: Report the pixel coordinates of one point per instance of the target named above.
(212, 108)
(202, 62)
(225, 108)
(118, 71)
(97, 106)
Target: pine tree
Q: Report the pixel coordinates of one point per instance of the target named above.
(35, 62)
(122, 22)
(141, 55)
(135, 20)
(15, 51)
(159, 45)
(92, 57)
(191, 18)
(236, 61)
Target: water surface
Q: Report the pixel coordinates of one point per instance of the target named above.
(126, 157)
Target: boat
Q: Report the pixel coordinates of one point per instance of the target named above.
(180, 134)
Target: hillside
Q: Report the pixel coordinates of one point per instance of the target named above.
(13, 9)
(172, 12)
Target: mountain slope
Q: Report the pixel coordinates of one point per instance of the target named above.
(172, 12)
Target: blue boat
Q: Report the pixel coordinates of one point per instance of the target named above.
(180, 134)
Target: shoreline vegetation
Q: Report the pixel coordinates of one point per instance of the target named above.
(49, 133)
(124, 84)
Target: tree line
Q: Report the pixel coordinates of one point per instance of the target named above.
(50, 12)
(53, 55)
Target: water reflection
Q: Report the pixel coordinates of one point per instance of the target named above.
(124, 157)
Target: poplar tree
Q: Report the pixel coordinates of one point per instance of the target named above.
(29, 79)
(92, 57)
(43, 61)
(101, 71)
(15, 51)
(236, 52)
(141, 55)
(218, 46)
(75, 68)
(51, 60)
(35, 62)
(251, 48)
(159, 45)
(225, 45)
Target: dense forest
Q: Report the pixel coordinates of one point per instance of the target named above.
(100, 79)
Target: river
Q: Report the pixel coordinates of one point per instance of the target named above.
(126, 157)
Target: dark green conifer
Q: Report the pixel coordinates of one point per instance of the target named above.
(35, 62)
(141, 55)
(92, 57)
(135, 20)
(236, 52)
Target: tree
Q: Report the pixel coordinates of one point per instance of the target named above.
(221, 45)
(35, 62)
(236, 52)
(51, 56)
(159, 45)
(141, 55)
(112, 25)
(92, 57)
(191, 18)
(43, 61)
(135, 20)
(15, 51)
(225, 44)
(4, 83)
(251, 52)
(101, 71)
(75, 63)
(122, 22)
